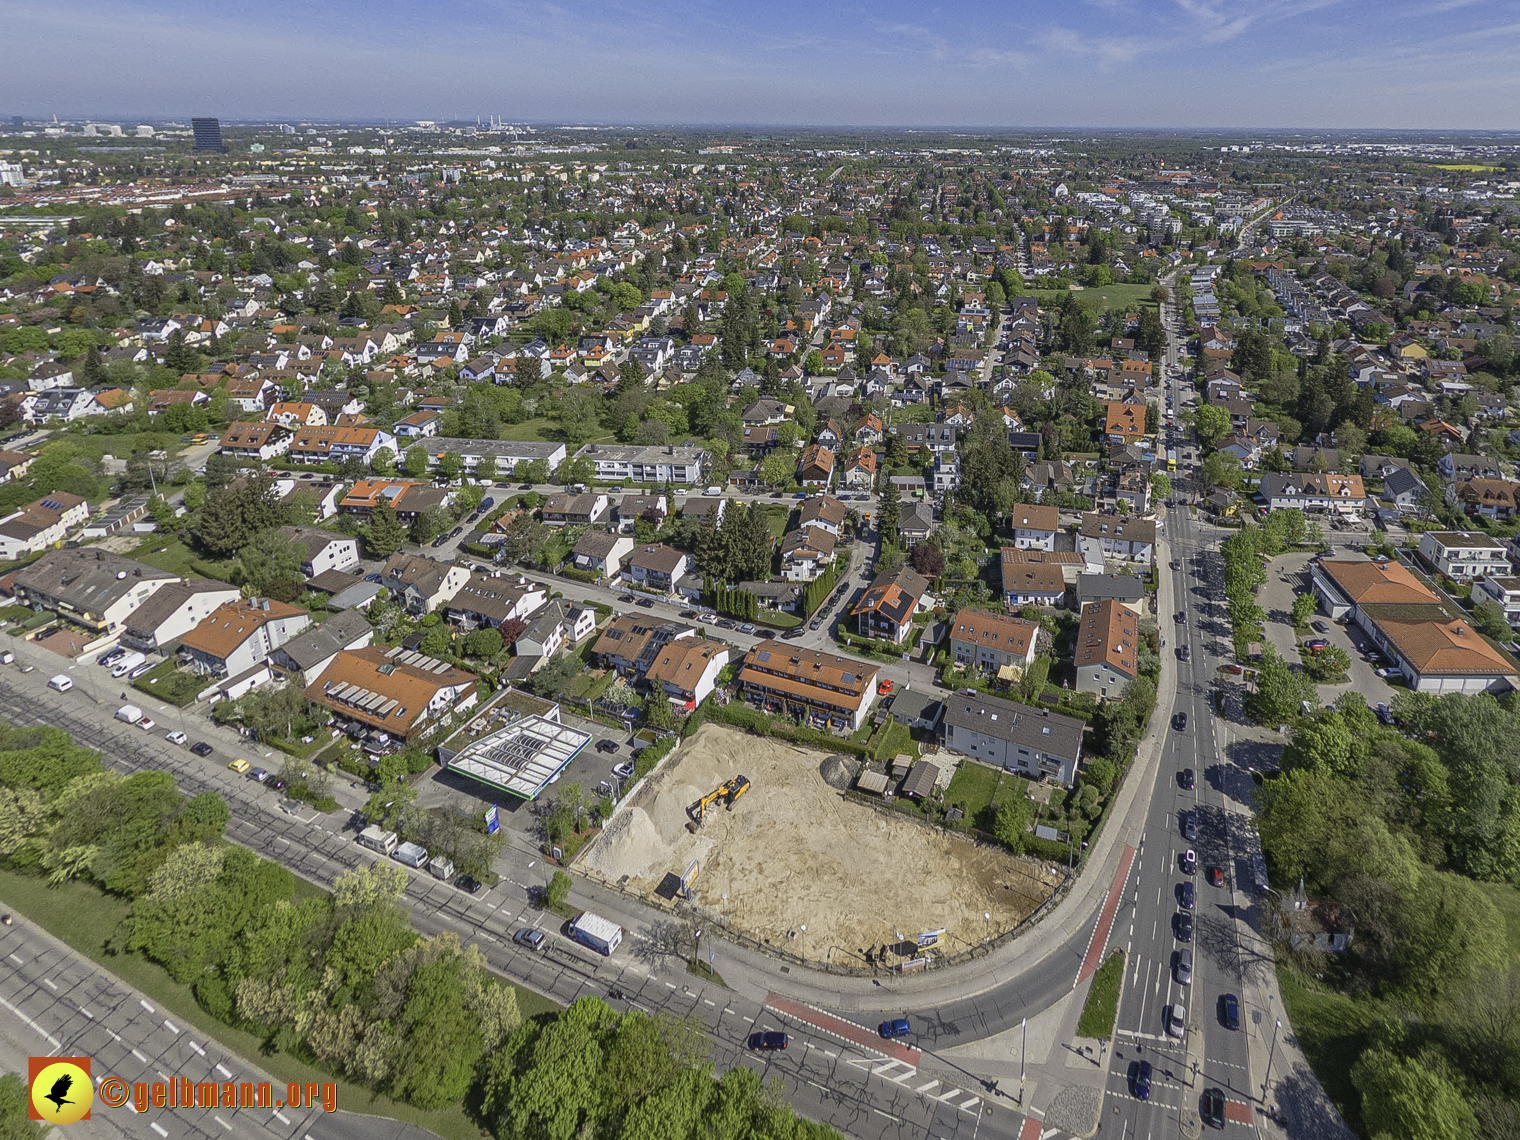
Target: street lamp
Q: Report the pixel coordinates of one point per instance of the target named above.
(804, 942)
(986, 926)
(1270, 1057)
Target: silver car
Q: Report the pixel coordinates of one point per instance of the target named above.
(1185, 968)
(1176, 1020)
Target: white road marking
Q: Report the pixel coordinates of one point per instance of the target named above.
(160, 1129)
(33, 1025)
(968, 1102)
(226, 1072)
(281, 1117)
(927, 1087)
(197, 1048)
(146, 1006)
(50, 984)
(222, 1122)
(16, 960)
(169, 1025)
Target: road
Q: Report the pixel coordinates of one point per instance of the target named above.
(59, 1003)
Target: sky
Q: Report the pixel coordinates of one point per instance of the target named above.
(1444, 64)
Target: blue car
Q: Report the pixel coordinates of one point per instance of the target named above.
(1230, 1008)
(897, 1027)
(1140, 1082)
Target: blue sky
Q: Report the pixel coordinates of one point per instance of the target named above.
(1019, 63)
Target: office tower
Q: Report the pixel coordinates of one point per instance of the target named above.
(208, 134)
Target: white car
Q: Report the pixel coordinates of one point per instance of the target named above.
(176, 737)
(1176, 1020)
(1386, 672)
(147, 724)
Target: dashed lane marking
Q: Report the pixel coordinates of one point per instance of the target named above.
(53, 1041)
(224, 1070)
(282, 1118)
(146, 1006)
(50, 984)
(160, 1129)
(222, 1122)
(139, 1056)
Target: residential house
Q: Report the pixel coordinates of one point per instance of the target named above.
(41, 524)
(1404, 489)
(391, 694)
(1328, 491)
(806, 553)
(1463, 555)
(321, 549)
(173, 612)
(687, 669)
(556, 624)
(90, 587)
(333, 444)
(494, 600)
(602, 553)
(1126, 589)
(15, 464)
(1107, 648)
(255, 441)
(885, 611)
(1454, 467)
(1034, 527)
(826, 689)
(408, 498)
(422, 584)
(239, 636)
(1034, 743)
(629, 642)
(993, 643)
(1504, 592)
(824, 512)
(631, 508)
(1124, 423)
(575, 510)
(1485, 498)
(816, 467)
(860, 469)
(1380, 466)
(418, 425)
(645, 464)
(308, 653)
(656, 568)
(1115, 537)
(1031, 583)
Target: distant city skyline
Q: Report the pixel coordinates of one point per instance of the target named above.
(1144, 64)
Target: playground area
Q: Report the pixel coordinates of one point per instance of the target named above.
(793, 852)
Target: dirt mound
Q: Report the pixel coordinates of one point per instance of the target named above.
(837, 771)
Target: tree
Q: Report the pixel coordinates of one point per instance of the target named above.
(1161, 485)
(1211, 424)
(1411, 1099)
(777, 468)
(1222, 469)
(384, 533)
(1323, 745)
(889, 516)
(1280, 693)
(1488, 616)
(449, 465)
(579, 416)
(270, 565)
(657, 712)
(1304, 606)
(485, 642)
(233, 516)
(416, 461)
(383, 462)
(14, 1122)
(1010, 823)
(928, 560)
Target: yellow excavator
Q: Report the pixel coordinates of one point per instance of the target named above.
(727, 793)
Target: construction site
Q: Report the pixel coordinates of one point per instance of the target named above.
(770, 846)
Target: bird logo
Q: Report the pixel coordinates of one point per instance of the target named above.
(61, 1089)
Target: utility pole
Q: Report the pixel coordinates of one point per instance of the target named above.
(1023, 1054)
(804, 942)
(1270, 1057)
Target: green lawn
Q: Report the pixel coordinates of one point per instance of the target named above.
(777, 620)
(776, 517)
(1333, 1031)
(977, 787)
(167, 684)
(1107, 297)
(84, 917)
(1101, 1009)
(124, 445)
(896, 739)
(167, 552)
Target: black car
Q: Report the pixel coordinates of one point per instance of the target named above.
(645, 603)
(607, 746)
(1211, 1107)
(1184, 653)
(1179, 722)
(792, 634)
(1140, 1080)
(768, 1041)
(468, 885)
(625, 597)
(439, 541)
(1184, 927)
(1185, 778)
(1186, 897)
(766, 633)
(688, 613)
(1182, 617)
(456, 532)
(1189, 825)
(1229, 1011)
(201, 748)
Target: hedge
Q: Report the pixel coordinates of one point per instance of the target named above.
(1050, 850)
(741, 716)
(579, 575)
(644, 763)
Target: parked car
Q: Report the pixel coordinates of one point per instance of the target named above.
(1189, 862)
(1385, 714)
(1319, 627)
(201, 748)
(240, 766)
(1184, 967)
(176, 737)
(1186, 896)
(625, 597)
(766, 634)
(607, 746)
(1232, 668)
(527, 936)
(645, 603)
(746, 628)
(688, 613)
(792, 634)
(1183, 927)
(1140, 1080)
(894, 1027)
(1216, 876)
(259, 774)
(277, 783)
(884, 688)
(469, 885)
(1315, 644)
(768, 1041)
(727, 623)
(624, 770)
(147, 724)
(1387, 672)
(1229, 1011)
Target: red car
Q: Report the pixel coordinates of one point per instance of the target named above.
(884, 688)
(1231, 669)
(1216, 876)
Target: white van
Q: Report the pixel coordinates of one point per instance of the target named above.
(378, 839)
(127, 664)
(61, 683)
(411, 854)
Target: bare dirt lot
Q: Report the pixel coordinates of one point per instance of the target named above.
(793, 851)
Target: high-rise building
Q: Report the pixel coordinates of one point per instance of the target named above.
(208, 134)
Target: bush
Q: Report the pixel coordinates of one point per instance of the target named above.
(579, 575)
(558, 890)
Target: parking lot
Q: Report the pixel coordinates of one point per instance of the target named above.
(1287, 577)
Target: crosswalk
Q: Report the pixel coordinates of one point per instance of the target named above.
(901, 1073)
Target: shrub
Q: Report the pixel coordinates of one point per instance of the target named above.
(558, 890)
